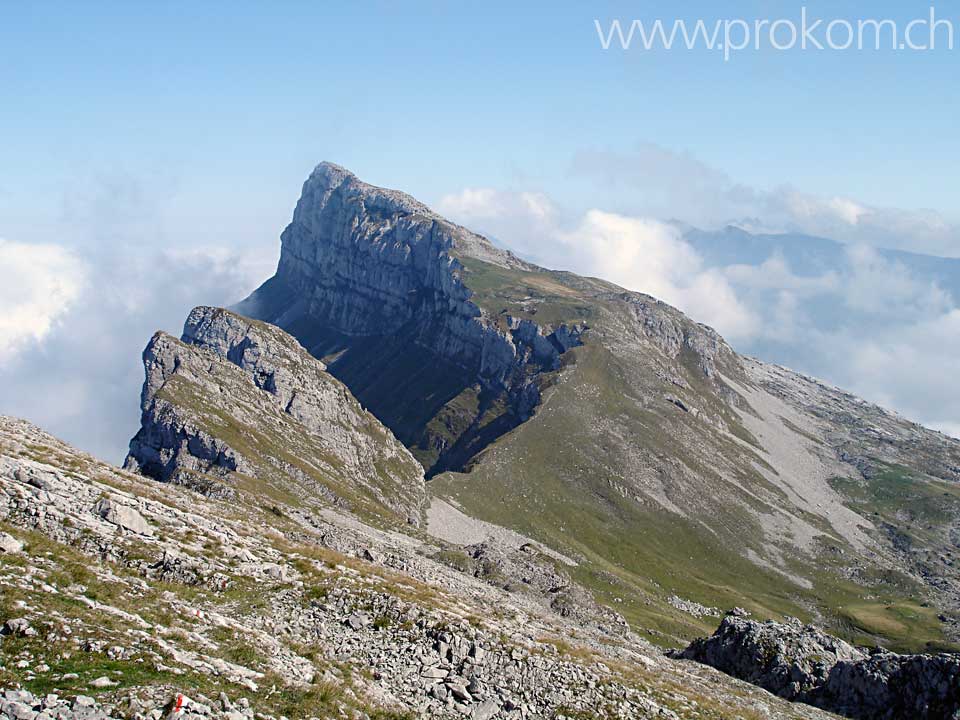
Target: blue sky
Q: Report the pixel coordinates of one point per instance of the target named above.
(151, 153)
(230, 103)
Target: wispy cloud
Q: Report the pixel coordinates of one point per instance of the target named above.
(638, 253)
(654, 181)
(77, 314)
(81, 377)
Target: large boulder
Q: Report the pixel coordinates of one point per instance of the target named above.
(788, 659)
(123, 516)
(9, 544)
(887, 685)
(800, 662)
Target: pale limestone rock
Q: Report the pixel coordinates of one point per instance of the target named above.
(288, 413)
(9, 544)
(124, 516)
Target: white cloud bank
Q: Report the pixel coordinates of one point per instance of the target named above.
(38, 284)
(869, 324)
(654, 181)
(71, 355)
(116, 258)
(650, 256)
(637, 253)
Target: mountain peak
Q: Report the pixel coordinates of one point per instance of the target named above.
(334, 195)
(546, 401)
(280, 402)
(329, 180)
(332, 170)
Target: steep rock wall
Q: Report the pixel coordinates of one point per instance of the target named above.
(360, 262)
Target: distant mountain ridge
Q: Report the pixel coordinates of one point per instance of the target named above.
(809, 255)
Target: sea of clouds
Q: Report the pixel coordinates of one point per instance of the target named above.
(78, 309)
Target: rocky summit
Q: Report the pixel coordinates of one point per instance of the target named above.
(413, 475)
(235, 401)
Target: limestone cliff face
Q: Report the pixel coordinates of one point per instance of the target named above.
(237, 398)
(364, 260)
(359, 261)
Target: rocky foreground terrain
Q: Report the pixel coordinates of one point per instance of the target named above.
(415, 476)
(127, 598)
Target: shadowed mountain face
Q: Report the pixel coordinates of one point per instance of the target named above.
(612, 428)
(810, 256)
(370, 281)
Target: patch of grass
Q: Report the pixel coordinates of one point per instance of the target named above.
(382, 622)
(456, 559)
(64, 660)
(902, 498)
(235, 648)
(546, 297)
(316, 592)
(566, 713)
(322, 699)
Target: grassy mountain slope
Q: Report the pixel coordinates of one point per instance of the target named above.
(657, 501)
(674, 471)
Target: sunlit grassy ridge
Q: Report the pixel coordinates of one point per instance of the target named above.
(653, 502)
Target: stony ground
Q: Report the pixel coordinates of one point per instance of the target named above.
(121, 595)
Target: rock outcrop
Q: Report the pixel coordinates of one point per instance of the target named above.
(800, 662)
(790, 660)
(236, 398)
(122, 516)
(360, 262)
(887, 685)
